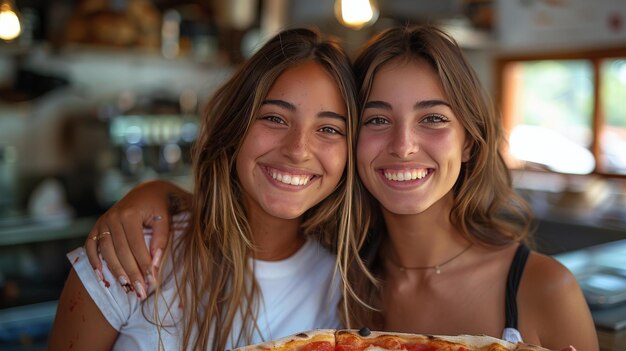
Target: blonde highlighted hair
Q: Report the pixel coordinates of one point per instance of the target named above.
(214, 280)
(486, 208)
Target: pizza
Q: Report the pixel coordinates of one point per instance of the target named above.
(366, 340)
(314, 340)
(352, 340)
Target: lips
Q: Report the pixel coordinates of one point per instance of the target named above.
(296, 179)
(405, 175)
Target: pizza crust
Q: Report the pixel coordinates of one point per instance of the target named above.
(469, 341)
(529, 347)
(293, 342)
(473, 342)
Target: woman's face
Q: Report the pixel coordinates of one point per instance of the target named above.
(411, 144)
(295, 152)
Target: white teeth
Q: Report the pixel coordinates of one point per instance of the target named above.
(403, 176)
(290, 179)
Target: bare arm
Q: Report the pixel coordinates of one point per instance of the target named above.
(553, 306)
(150, 204)
(79, 324)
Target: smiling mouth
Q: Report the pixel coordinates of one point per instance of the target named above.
(290, 178)
(405, 175)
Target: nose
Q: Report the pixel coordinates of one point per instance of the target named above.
(403, 142)
(296, 146)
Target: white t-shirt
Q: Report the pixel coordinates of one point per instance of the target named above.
(297, 294)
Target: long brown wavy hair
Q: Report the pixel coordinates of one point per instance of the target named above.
(486, 208)
(215, 282)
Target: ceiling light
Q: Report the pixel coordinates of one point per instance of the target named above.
(356, 14)
(9, 21)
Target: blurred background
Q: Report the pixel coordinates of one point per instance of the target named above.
(97, 96)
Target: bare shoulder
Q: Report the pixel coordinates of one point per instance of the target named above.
(546, 286)
(552, 307)
(79, 324)
(548, 276)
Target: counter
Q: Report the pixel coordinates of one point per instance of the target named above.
(611, 340)
(33, 269)
(601, 273)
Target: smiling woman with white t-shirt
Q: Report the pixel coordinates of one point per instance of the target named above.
(297, 293)
(272, 164)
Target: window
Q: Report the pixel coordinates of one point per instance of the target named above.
(613, 108)
(566, 113)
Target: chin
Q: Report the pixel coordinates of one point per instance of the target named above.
(285, 213)
(403, 212)
(404, 209)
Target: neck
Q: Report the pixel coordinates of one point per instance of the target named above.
(426, 239)
(274, 238)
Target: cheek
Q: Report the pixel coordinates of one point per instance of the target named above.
(366, 149)
(450, 146)
(335, 159)
(467, 149)
(242, 168)
(256, 140)
(361, 158)
(365, 153)
(256, 144)
(242, 159)
(250, 149)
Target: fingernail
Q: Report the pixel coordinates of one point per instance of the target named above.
(157, 217)
(141, 292)
(150, 280)
(156, 259)
(99, 274)
(124, 283)
(123, 280)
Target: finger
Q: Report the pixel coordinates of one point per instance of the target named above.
(126, 258)
(91, 247)
(107, 250)
(160, 235)
(134, 234)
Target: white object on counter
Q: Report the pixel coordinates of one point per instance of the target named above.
(49, 202)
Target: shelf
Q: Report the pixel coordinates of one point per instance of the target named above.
(26, 327)
(33, 231)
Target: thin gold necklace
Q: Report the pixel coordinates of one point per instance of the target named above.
(436, 267)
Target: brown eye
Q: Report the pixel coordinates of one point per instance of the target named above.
(435, 119)
(376, 121)
(273, 119)
(330, 130)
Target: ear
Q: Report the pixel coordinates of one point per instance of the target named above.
(467, 149)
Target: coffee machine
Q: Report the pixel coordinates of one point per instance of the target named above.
(151, 137)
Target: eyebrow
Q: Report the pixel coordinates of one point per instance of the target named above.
(418, 105)
(378, 104)
(280, 103)
(430, 103)
(291, 107)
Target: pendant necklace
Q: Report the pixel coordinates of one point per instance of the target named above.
(436, 267)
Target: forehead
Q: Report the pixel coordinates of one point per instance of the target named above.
(306, 81)
(410, 78)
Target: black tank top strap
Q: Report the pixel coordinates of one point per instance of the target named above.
(512, 284)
